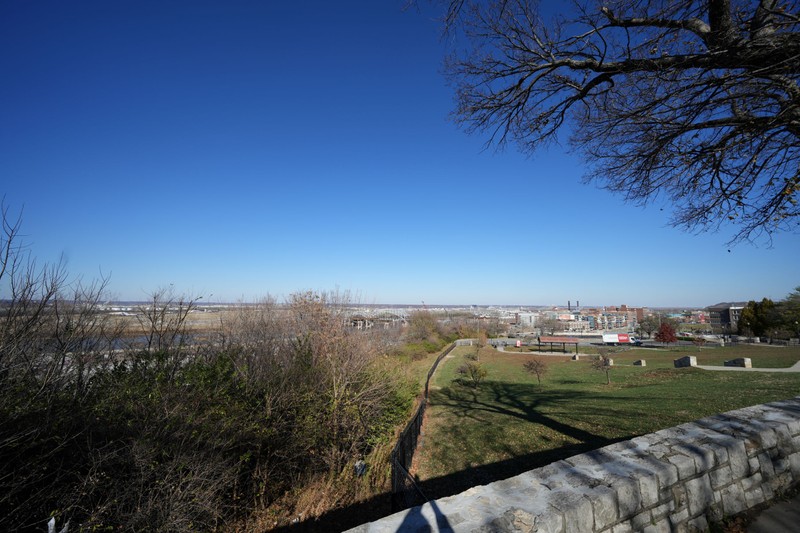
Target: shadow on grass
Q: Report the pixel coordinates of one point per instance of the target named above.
(524, 401)
(527, 402)
(557, 410)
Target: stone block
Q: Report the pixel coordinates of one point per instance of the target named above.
(714, 513)
(742, 362)
(780, 483)
(666, 472)
(648, 488)
(733, 500)
(576, 357)
(679, 517)
(766, 489)
(718, 444)
(785, 445)
(794, 464)
(781, 465)
(604, 506)
(576, 509)
(624, 527)
(767, 470)
(699, 494)
(660, 526)
(663, 510)
(766, 434)
(697, 525)
(551, 522)
(753, 481)
(720, 477)
(641, 520)
(754, 497)
(702, 455)
(685, 361)
(737, 457)
(514, 520)
(684, 464)
(519, 520)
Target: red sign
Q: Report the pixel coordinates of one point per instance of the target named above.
(623, 337)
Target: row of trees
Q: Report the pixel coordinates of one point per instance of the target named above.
(139, 425)
(772, 319)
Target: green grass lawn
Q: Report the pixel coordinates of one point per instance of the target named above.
(510, 423)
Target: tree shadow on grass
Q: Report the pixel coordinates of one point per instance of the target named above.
(565, 413)
(552, 409)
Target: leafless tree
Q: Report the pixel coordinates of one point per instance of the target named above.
(549, 326)
(699, 341)
(603, 363)
(536, 366)
(474, 372)
(339, 363)
(423, 325)
(163, 320)
(693, 101)
(53, 341)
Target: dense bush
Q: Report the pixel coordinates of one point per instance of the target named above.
(154, 448)
(165, 432)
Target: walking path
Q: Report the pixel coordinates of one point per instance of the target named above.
(794, 368)
(783, 517)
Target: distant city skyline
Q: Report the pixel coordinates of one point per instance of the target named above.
(243, 149)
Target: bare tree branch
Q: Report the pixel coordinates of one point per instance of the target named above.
(694, 101)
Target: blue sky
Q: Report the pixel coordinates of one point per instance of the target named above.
(245, 148)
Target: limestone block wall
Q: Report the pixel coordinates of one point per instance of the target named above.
(674, 480)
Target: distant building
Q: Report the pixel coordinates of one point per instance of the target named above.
(725, 316)
(526, 319)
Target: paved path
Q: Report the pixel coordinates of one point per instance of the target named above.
(794, 368)
(783, 517)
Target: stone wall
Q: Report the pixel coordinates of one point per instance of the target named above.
(677, 479)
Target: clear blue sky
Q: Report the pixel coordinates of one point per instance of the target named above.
(245, 148)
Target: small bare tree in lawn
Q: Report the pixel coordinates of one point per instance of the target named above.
(474, 372)
(603, 363)
(699, 342)
(537, 367)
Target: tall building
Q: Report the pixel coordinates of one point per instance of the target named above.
(724, 316)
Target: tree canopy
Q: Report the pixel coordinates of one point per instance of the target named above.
(768, 318)
(666, 333)
(695, 102)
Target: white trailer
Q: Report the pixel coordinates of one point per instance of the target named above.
(615, 339)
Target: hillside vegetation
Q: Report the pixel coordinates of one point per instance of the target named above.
(142, 423)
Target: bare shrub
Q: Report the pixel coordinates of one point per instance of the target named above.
(538, 367)
(473, 373)
(166, 436)
(602, 363)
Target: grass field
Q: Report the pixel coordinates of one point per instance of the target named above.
(510, 423)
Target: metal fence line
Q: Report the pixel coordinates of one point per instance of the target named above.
(405, 492)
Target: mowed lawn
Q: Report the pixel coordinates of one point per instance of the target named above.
(509, 423)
